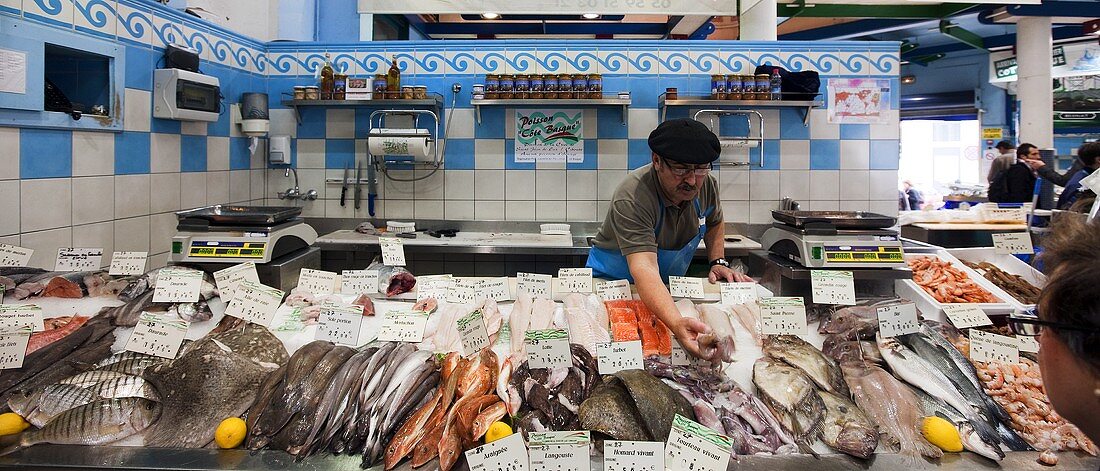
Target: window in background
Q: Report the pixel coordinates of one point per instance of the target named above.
(937, 154)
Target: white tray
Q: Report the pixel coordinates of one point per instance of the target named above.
(1005, 262)
(932, 309)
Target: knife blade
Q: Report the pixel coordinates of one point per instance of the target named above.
(358, 183)
(344, 184)
(372, 186)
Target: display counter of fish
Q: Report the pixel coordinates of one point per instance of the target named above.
(542, 399)
(23, 282)
(138, 295)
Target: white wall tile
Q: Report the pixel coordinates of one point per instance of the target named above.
(402, 209)
(217, 187)
(459, 210)
(161, 229)
(462, 123)
(601, 209)
(93, 153)
(193, 128)
(489, 210)
(733, 183)
(519, 210)
(735, 211)
(93, 199)
(861, 205)
(334, 210)
(608, 182)
(489, 185)
(158, 261)
(399, 189)
(771, 124)
(519, 185)
(430, 188)
(259, 184)
(824, 185)
(45, 245)
(315, 208)
(820, 128)
(489, 154)
(217, 153)
(612, 154)
(549, 165)
(794, 154)
(764, 185)
(581, 211)
(137, 109)
(760, 211)
(854, 185)
(10, 240)
(459, 185)
(827, 205)
(855, 155)
(890, 129)
(795, 184)
(339, 124)
(885, 207)
(239, 186)
(99, 235)
(192, 190)
(642, 122)
(9, 153)
(283, 122)
(581, 185)
(550, 185)
(132, 234)
(311, 154)
(164, 153)
(428, 209)
(551, 211)
(258, 159)
(9, 207)
(164, 192)
(131, 195)
(883, 184)
(45, 204)
(314, 179)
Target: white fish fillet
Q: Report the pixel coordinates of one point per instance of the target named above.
(687, 308)
(596, 307)
(490, 313)
(749, 317)
(542, 314)
(518, 321)
(584, 330)
(574, 300)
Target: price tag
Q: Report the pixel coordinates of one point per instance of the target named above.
(738, 293)
(548, 348)
(464, 291)
(14, 256)
(986, 346)
(16, 317)
(393, 251)
(621, 455)
(254, 302)
(472, 330)
(565, 451)
(965, 316)
(898, 319)
(495, 289)
(227, 279)
(403, 326)
(612, 290)
(1012, 243)
(1028, 343)
(833, 287)
(693, 446)
(339, 324)
(177, 285)
(684, 287)
(575, 280)
(13, 349)
(533, 284)
(78, 259)
(433, 286)
(359, 282)
(507, 454)
(617, 356)
(128, 263)
(157, 334)
(318, 282)
(782, 315)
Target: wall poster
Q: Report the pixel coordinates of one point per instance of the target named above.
(549, 136)
(858, 101)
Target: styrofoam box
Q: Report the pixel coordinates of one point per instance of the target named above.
(932, 309)
(1006, 262)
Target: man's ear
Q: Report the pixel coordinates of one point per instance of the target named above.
(656, 160)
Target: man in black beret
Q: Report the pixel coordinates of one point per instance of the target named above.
(658, 216)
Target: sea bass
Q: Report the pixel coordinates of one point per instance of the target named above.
(96, 423)
(970, 438)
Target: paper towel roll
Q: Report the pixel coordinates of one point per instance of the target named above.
(414, 146)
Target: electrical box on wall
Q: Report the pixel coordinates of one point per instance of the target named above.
(185, 96)
(278, 150)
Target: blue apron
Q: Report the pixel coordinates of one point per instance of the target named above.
(611, 264)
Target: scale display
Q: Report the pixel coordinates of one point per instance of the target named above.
(223, 249)
(865, 254)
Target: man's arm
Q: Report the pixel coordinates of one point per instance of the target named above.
(715, 240)
(1048, 173)
(652, 290)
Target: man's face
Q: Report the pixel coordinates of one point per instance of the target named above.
(680, 181)
(1033, 154)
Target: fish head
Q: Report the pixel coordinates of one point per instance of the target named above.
(449, 449)
(973, 442)
(858, 441)
(145, 413)
(21, 402)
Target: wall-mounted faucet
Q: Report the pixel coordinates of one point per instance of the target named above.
(295, 193)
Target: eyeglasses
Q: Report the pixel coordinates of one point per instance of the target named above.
(683, 171)
(1033, 326)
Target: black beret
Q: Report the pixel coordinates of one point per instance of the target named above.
(685, 140)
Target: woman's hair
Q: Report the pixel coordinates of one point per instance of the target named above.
(1071, 255)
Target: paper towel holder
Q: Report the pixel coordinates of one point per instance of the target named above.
(379, 130)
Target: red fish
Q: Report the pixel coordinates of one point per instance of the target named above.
(41, 339)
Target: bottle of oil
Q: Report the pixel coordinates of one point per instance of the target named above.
(393, 80)
(327, 79)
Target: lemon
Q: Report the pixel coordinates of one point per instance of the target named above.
(230, 433)
(942, 433)
(11, 423)
(497, 431)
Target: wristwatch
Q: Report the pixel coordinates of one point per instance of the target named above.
(720, 261)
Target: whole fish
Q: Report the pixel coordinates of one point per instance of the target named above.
(133, 366)
(335, 394)
(62, 359)
(124, 356)
(800, 354)
(892, 406)
(719, 322)
(90, 378)
(485, 418)
(401, 383)
(272, 386)
(139, 286)
(38, 407)
(41, 339)
(127, 315)
(846, 428)
(96, 423)
(34, 285)
(127, 386)
(791, 396)
(970, 438)
(275, 416)
(610, 411)
(852, 322)
(305, 407)
(841, 350)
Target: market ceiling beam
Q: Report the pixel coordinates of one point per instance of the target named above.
(1060, 33)
(1059, 11)
(962, 35)
(927, 59)
(854, 29)
(833, 10)
(543, 28)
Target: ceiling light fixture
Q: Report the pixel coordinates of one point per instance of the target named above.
(590, 16)
(490, 15)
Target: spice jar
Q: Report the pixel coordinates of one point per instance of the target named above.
(565, 86)
(763, 86)
(718, 87)
(580, 86)
(407, 92)
(671, 93)
(538, 85)
(550, 86)
(595, 86)
(492, 87)
(420, 92)
(523, 87)
(733, 87)
(300, 93)
(507, 87)
(313, 93)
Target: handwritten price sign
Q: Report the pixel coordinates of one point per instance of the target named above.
(898, 319)
(617, 356)
(782, 315)
(534, 284)
(14, 256)
(158, 335)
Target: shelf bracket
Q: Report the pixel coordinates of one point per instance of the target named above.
(806, 116)
(626, 116)
(477, 114)
(297, 115)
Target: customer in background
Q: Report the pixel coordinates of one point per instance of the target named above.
(914, 200)
(1017, 184)
(1069, 322)
(1003, 161)
(1088, 156)
(1048, 173)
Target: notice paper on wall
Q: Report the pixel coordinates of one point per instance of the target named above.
(13, 71)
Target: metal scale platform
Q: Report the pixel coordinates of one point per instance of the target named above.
(275, 238)
(802, 241)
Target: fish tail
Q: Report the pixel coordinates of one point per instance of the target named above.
(12, 443)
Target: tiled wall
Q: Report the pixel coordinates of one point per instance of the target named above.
(825, 166)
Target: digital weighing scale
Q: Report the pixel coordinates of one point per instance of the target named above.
(274, 238)
(835, 239)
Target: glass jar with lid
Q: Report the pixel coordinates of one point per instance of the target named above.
(507, 87)
(595, 86)
(565, 86)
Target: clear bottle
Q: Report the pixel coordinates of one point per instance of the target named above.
(776, 85)
(328, 83)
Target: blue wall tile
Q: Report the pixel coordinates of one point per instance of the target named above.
(45, 153)
(492, 123)
(771, 156)
(855, 131)
(339, 153)
(510, 157)
(885, 155)
(609, 123)
(132, 153)
(460, 154)
(790, 125)
(192, 153)
(591, 157)
(362, 121)
(638, 153)
(139, 68)
(644, 91)
(676, 112)
(239, 157)
(736, 125)
(165, 126)
(313, 123)
(824, 154)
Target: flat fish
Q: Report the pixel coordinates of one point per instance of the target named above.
(256, 343)
(800, 354)
(96, 423)
(609, 410)
(657, 403)
(790, 395)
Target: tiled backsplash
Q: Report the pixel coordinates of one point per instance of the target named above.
(118, 190)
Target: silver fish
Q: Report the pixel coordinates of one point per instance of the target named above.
(127, 386)
(89, 378)
(96, 423)
(132, 366)
(846, 428)
(892, 406)
(970, 438)
(123, 356)
(40, 406)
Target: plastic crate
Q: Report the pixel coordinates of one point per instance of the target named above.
(933, 309)
(1006, 262)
